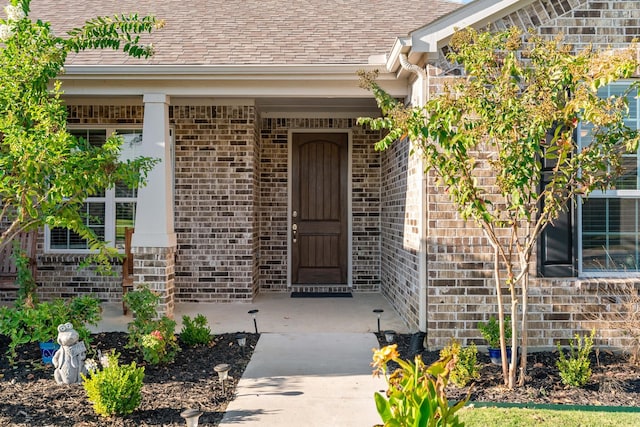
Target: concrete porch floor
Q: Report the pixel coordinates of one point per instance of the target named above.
(279, 313)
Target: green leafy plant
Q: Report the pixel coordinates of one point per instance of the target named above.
(40, 323)
(416, 392)
(153, 337)
(47, 173)
(195, 331)
(26, 284)
(466, 368)
(115, 389)
(490, 331)
(575, 370)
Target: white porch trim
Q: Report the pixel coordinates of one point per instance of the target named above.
(154, 215)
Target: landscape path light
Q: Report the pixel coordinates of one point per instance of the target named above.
(191, 416)
(379, 312)
(242, 341)
(389, 335)
(253, 314)
(223, 373)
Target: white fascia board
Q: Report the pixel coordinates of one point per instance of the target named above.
(476, 14)
(401, 45)
(224, 81)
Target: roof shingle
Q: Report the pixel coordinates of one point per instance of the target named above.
(255, 32)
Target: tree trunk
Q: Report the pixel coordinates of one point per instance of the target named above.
(514, 334)
(503, 344)
(524, 326)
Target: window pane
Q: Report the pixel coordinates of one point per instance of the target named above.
(59, 238)
(119, 203)
(132, 145)
(610, 230)
(94, 217)
(593, 214)
(629, 178)
(125, 218)
(633, 104)
(95, 137)
(610, 235)
(130, 149)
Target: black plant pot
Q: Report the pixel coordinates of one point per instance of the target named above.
(416, 344)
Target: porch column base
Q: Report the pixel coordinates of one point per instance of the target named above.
(155, 266)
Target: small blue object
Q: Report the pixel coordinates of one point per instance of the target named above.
(48, 349)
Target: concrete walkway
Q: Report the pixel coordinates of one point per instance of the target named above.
(308, 379)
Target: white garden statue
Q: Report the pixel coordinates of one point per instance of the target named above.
(69, 359)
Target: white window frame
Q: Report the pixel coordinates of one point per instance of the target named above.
(110, 200)
(608, 194)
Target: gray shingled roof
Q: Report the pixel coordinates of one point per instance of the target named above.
(257, 32)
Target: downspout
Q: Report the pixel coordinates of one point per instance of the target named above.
(423, 78)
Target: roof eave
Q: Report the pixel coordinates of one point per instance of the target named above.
(323, 80)
(427, 40)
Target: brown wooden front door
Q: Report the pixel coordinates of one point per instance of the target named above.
(319, 208)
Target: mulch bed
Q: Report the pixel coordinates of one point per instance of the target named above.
(29, 396)
(614, 381)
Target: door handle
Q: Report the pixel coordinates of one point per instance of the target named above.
(294, 232)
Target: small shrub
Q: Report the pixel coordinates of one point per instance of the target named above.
(143, 302)
(154, 338)
(196, 331)
(466, 368)
(115, 389)
(416, 392)
(575, 370)
(490, 331)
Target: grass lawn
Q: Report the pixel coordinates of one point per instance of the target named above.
(503, 417)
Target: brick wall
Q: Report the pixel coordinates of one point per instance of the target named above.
(400, 235)
(215, 196)
(156, 268)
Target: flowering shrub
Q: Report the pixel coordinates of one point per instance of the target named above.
(14, 14)
(159, 347)
(154, 338)
(415, 395)
(91, 366)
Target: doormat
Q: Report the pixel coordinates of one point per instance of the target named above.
(321, 295)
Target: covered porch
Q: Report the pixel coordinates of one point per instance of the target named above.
(279, 313)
